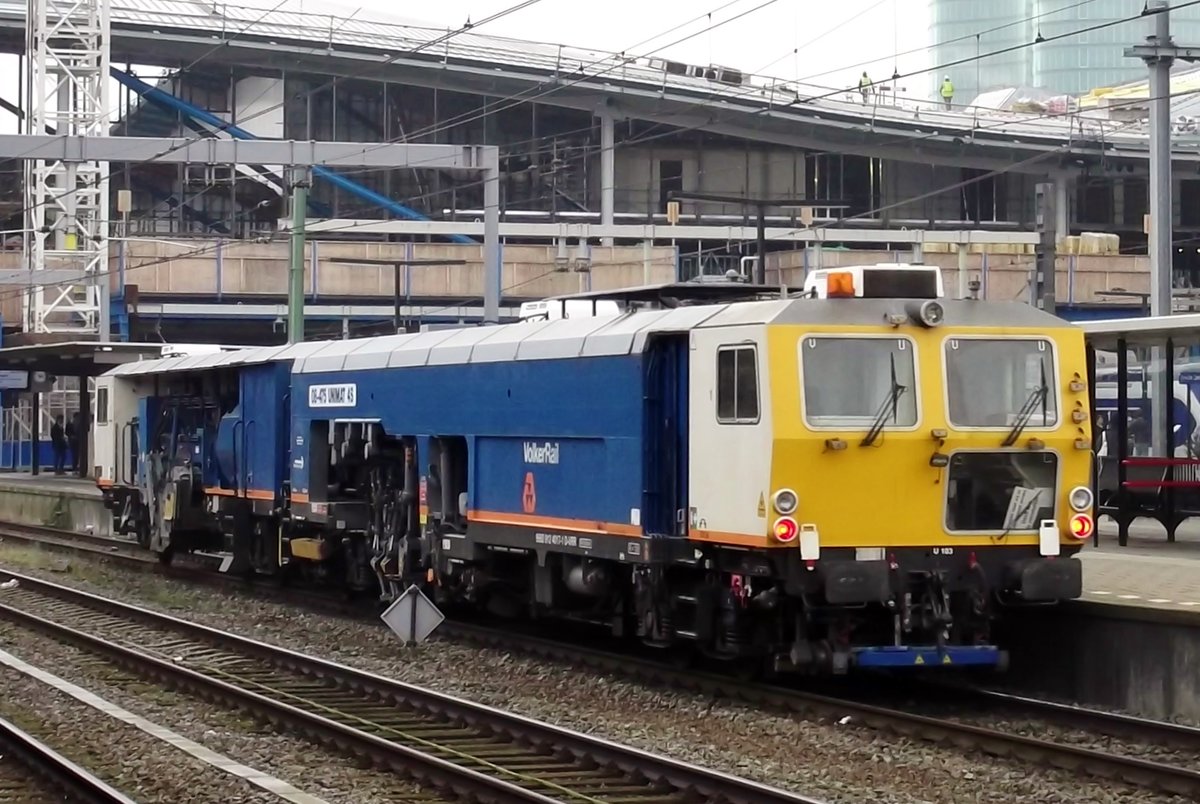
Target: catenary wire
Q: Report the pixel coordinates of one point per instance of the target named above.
(521, 98)
(712, 250)
(314, 90)
(955, 186)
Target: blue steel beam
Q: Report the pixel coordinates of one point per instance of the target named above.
(161, 97)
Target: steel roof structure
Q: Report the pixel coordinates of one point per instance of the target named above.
(1147, 331)
(714, 99)
(77, 358)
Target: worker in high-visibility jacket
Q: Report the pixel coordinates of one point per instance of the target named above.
(947, 91)
(864, 86)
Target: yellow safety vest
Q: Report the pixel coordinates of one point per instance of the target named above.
(947, 89)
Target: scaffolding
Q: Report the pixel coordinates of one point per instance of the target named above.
(66, 201)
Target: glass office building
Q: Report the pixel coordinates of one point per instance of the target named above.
(967, 31)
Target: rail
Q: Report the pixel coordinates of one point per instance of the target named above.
(1113, 724)
(107, 548)
(454, 745)
(1180, 778)
(44, 772)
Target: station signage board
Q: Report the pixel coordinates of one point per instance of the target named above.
(12, 380)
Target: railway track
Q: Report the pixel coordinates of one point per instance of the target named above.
(65, 541)
(1112, 724)
(32, 773)
(443, 743)
(908, 720)
(119, 551)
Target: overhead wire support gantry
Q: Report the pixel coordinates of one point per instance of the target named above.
(481, 160)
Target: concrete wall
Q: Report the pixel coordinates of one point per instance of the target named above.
(251, 269)
(1003, 277)
(781, 173)
(10, 296)
(27, 502)
(755, 172)
(259, 106)
(905, 184)
(254, 269)
(1139, 660)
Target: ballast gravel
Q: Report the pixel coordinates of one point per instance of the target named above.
(138, 765)
(148, 769)
(841, 763)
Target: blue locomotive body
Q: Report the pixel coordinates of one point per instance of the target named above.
(574, 425)
(347, 454)
(645, 472)
(252, 438)
(542, 445)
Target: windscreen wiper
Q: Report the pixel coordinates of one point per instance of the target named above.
(1039, 394)
(889, 407)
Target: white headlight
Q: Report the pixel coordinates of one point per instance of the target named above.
(785, 501)
(927, 314)
(932, 313)
(1081, 498)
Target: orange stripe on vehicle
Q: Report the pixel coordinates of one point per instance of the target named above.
(556, 523)
(220, 492)
(299, 497)
(721, 537)
(103, 482)
(259, 494)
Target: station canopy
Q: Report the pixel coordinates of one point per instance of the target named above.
(78, 358)
(1141, 332)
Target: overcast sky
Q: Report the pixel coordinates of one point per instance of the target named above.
(829, 44)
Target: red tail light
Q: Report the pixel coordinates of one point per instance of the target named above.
(1081, 526)
(786, 530)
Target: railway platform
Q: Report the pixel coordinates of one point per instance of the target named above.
(1130, 642)
(1147, 573)
(59, 501)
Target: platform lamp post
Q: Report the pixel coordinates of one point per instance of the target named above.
(396, 266)
(761, 205)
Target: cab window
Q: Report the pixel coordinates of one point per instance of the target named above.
(101, 406)
(994, 382)
(849, 383)
(737, 385)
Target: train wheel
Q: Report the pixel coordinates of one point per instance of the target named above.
(165, 556)
(142, 529)
(681, 656)
(747, 669)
